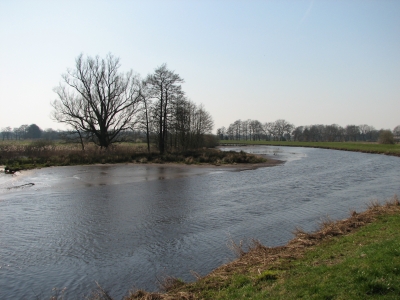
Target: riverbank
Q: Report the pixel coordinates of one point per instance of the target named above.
(365, 147)
(355, 258)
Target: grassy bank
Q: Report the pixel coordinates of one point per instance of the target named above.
(347, 146)
(38, 154)
(356, 258)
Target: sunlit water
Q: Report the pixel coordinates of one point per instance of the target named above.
(127, 226)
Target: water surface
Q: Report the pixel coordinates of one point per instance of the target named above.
(127, 226)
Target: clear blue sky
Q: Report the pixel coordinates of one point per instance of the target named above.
(309, 62)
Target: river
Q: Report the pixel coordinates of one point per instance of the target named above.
(128, 226)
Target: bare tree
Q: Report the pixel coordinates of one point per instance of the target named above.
(202, 125)
(282, 128)
(144, 120)
(24, 130)
(333, 133)
(288, 131)
(269, 129)
(221, 132)
(95, 98)
(237, 127)
(352, 132)
(298, 133)
(164, 88)
(17, 133)
(245, 129)
(363, 130)
(230, 132)
(396, 133)
(256, 129)
(314, 133)
(6, 133)
(396, 130)
(189, 125)
(181, 123)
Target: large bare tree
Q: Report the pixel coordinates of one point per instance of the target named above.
(96, 99)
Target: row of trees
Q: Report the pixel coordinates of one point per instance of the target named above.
(336, 133)
(101, 104)
(27, 132)
(33, 131)
(283, 130)
(255, 130)
(168, 115)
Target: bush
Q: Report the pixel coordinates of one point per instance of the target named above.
(386, 137)
(210, 141)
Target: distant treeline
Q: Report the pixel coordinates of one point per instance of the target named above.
(34, 132)
(26, 131)
(282, 130)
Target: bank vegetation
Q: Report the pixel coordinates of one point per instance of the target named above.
(354, 258)
(16, 156)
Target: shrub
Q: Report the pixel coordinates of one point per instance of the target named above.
(386, 137)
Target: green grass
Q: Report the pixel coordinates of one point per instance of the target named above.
(348, 146)
(363, 263)
(360, 266)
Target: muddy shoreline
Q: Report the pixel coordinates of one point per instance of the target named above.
(235, 166)
(239, 166)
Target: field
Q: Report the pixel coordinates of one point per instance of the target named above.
(347, 146)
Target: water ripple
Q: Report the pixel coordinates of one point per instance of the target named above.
(122, 226)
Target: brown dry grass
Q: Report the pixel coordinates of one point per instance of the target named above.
(41, 153)
(260, 258)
